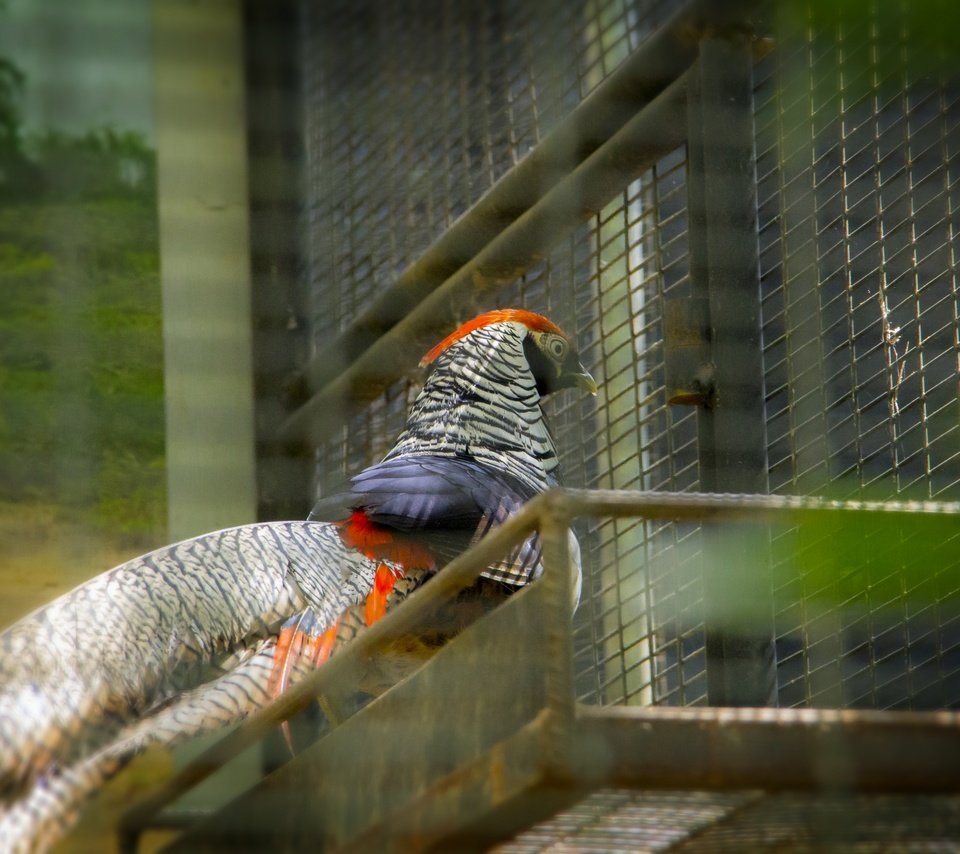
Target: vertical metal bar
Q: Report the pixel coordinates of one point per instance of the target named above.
(204, 229)
(554, 531)
(725, 272)
(275, 145)
(204, 245)
(279, 294)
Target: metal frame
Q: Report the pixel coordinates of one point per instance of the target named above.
(724, 268)
(634, 117)
(205, 277)
(276, 153)
(522, 755)
(524, 748)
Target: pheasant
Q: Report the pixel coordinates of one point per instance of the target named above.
(197, 635)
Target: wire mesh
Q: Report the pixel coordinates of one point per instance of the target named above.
(622, 819)
(401, 139)
(608, 286)
(856, 172)
(861, 207)
(413, 113)
(618, 820)
(410, 116)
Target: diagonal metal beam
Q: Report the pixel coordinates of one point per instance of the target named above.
(648, 71)
(653, 132)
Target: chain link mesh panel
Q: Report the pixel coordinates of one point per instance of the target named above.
(856, 162)
(618, 820)
(414, 111)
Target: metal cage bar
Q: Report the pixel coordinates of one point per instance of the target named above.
(542, 740)
(741, 670)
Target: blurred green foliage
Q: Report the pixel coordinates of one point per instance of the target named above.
(886, 42)
(870, 562)
(81, 358)
(894, 566)
(81, 353)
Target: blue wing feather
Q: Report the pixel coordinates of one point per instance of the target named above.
(447, 501)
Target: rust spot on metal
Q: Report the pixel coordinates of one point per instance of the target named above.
(686, 345)
(498, 773)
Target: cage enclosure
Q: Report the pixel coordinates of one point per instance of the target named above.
(746, 214)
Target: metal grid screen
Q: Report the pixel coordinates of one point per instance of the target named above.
(856, 164)
(731, 822)
(413, 111)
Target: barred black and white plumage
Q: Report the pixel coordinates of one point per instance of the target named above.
(475, 448)
(125, 646)
(481, 402)
(189, 638)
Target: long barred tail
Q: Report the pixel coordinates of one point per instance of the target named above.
(95, 676)
(47, 810)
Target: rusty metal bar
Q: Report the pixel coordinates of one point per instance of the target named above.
(497, 795)
(770, 749)
(709, 505)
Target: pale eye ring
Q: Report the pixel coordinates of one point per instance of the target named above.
(557, 347)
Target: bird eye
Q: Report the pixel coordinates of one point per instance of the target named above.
(558, 347)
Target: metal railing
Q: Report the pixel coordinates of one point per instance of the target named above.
(548, 743)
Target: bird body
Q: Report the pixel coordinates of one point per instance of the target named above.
(199, 634)
(475, 446)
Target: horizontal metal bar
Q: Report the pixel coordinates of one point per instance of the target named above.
(662, 58)
(560, 506)
(653, 132)
(702, 505)
(770, 749)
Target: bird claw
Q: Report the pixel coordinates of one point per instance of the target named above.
(294, 645)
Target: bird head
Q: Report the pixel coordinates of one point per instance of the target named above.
(549, 352)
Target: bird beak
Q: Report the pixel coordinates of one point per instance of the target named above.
(583, 379)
